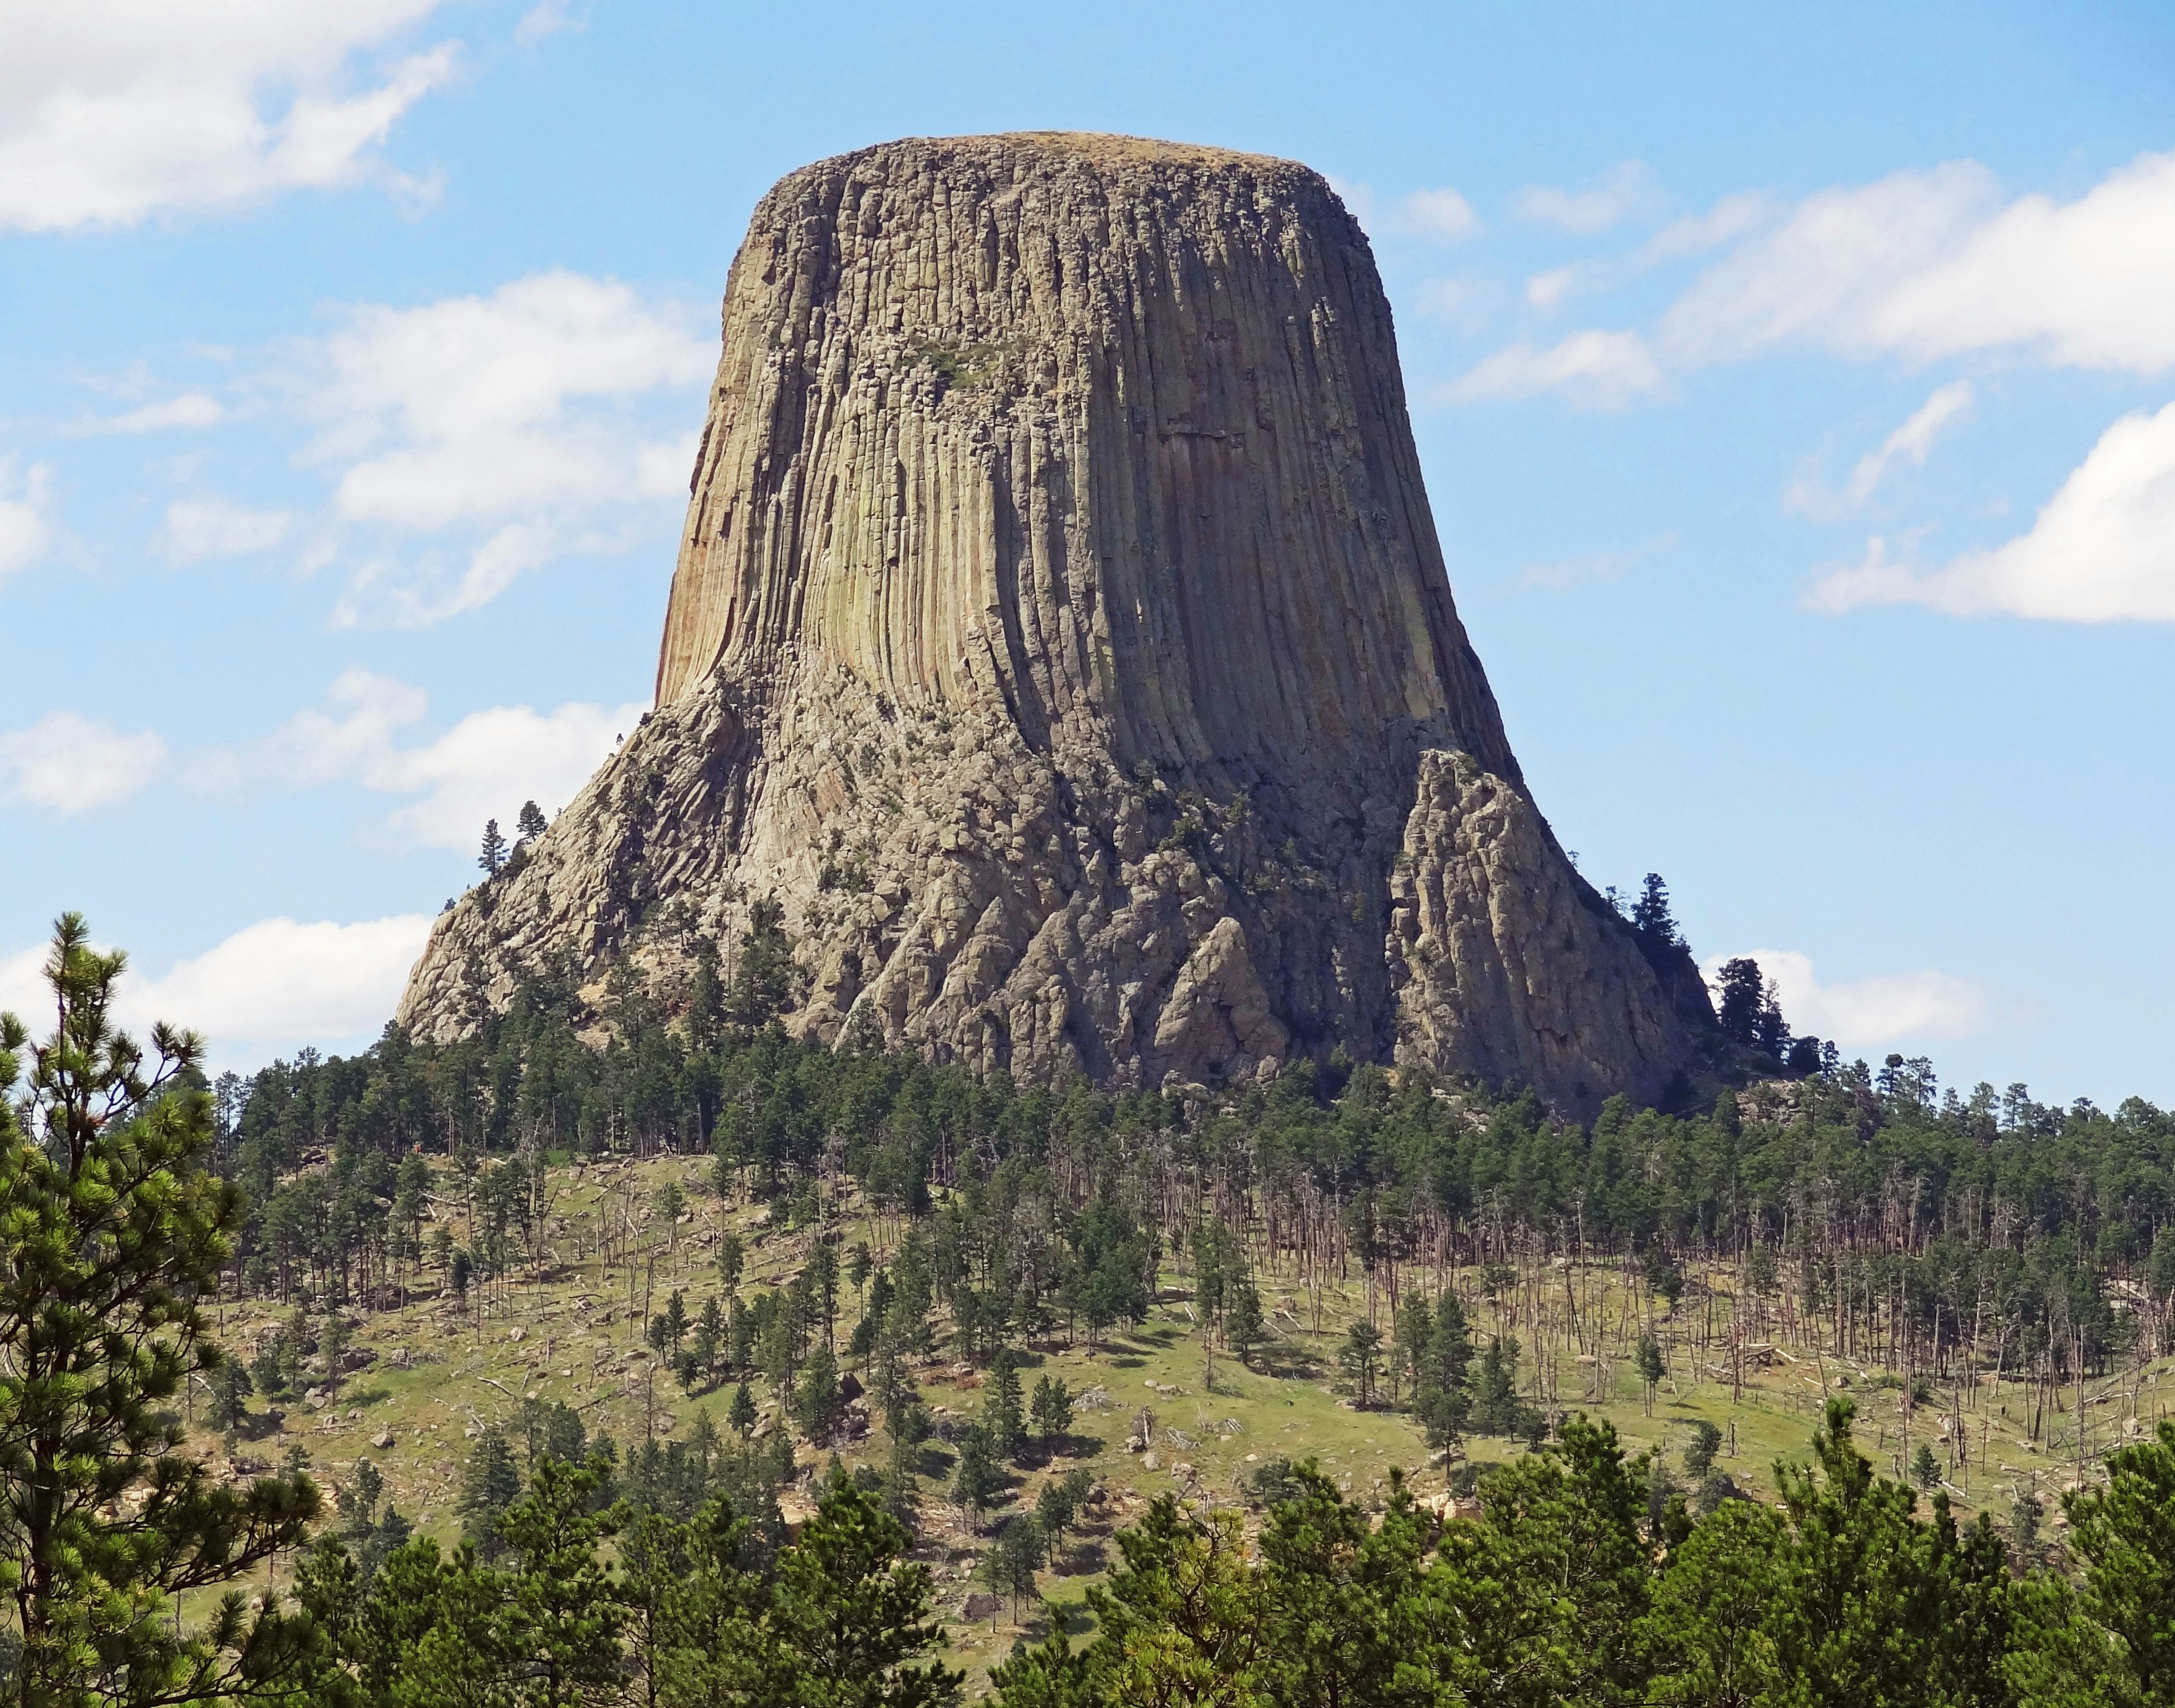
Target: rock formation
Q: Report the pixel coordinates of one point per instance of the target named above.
(1060, 636)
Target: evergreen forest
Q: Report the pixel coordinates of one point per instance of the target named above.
(883, 1316)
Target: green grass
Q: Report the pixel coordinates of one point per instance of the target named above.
(579, 1341)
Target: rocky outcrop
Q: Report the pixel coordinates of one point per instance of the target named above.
(1061, 637)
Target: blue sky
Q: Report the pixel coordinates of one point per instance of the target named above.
(1793, 386)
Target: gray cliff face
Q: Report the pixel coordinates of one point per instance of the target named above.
(1060, 635)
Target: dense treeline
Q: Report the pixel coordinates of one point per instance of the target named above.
(1579, 1580)
(1861, 1215)
(1575, 1586)
(1866, 1215)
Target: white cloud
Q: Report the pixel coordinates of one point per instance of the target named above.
(1885, 1008)
(502, 421)
(1625, 189)
(1922, 265)
(1913, 443)
(112, 110)
(269, 988)
(1440, 216)
(1595, 370)
(484, 766)
(1443, 215)
(189, 410)
(282, 983)
(197, 529)
(1467, 302)
(1692, 233)
(2101, 551)
(1603, 566)
(548, 19)
(68, 764)
(1549, 289)
(26, 527)
(1359, 198)
(23, 992)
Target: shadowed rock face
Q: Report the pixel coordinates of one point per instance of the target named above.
(1061, 634)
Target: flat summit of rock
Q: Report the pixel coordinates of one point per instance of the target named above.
(1060, 643)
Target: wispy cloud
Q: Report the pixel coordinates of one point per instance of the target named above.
(208, 526)
(1593, 369)
(1602, 566)
(1922, 265)
(476, 438)
(1625, 189)
(484, 767)
(189, 410)
(26, 522)
(1911, 443)
(2101, 551)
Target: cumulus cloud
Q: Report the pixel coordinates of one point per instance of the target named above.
(484, 766)
(1593, 369)
(210, 526)
(282, 983)
(26, 527)
(500, 428)
(65, 763)
(1913, 443)
(1885, 1008)
(270, 987)
(1926, 264)
(1625, 189)
(2101, 551)
(112, 110)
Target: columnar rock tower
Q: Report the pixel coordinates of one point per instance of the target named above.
(1062, 640)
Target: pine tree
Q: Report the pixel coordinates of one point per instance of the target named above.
(1002, 1410)
(1055, 1508)
(765, 980)
(1053, 1411)
(1360, 1357)
(732, 1256)
(740, 1414)
(977, 1479)
(1651, 1368)
(817, 1403)
(114, 1232)
(490, 1483)
(492, 857)
(230, 1387)
(530, 824)
(1744, 994)
(1651, 913)
(1243, 1326)
(1018, 1556)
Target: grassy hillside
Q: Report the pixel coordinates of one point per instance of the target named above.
(431, 1371)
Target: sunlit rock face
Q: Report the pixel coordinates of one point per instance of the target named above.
(1061, 636)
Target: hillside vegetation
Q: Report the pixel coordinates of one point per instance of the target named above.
(1034, 1362)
